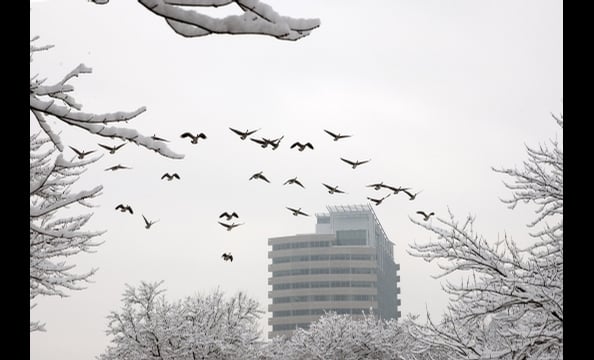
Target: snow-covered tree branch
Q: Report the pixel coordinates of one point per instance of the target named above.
(257, 18)
(510, 305)
(54, 238)
(198, 327)
(55, 101)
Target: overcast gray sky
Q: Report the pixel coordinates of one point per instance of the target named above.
(434, 92)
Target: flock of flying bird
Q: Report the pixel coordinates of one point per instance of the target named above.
(264, 143)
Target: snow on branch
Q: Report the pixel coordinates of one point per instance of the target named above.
(42, 103)
(258, 18)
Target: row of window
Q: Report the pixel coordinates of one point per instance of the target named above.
(282, 327)
(323, 284)
(308, 298)
(306, 312)
(286, 259)
(299, 245)
(316, 271)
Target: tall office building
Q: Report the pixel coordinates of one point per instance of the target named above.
(346, 266)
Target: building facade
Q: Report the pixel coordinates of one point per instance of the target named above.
(346, 266)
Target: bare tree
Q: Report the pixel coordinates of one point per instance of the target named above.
(257, 18)
(511, 304)
(198, 327)
(54, 238)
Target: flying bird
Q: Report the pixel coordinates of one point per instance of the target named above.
(243, 134)
(263, 142)
(112, 149)
(156, 138)
(227, 257)
(396, 190)
(297, 212)
(276, 142)
(125, 208)
(229, 216)
(378, 201)
(426, 217)
(259, 176)
(333, 189)
(302, 146)
(170, 177)
(117, 167)
(355, 163)
(82, 154)
(377, 186)
(148, 223)
(412, 196)
(294, 181)
(230, 226)
(194, 138)
(337, 136)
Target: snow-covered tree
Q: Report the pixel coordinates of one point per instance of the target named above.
(208, 326)
(257, 18)
(54, 237)
(347, 337)
(510, 306)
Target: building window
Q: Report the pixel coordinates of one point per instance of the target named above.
(351, 237)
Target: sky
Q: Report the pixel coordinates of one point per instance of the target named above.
(434, 93)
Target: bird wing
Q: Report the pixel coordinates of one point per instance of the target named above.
(331, 133)
(261, 142)
(145, 220)
(248, 133)
(309, 145)
(302, 213)
(225, 214)
(347, 161)
(237, 132)
(230, 258)
(175, 176)
(119, 146)
(343, 136)
(363, 162)
(187, 134)
(339, 191)
(235, 214)
(76, 151)
(407, 193)
(298, 183)
(264, 178)
(328, 186)
(202, 135)
(130, 208)
(295, 144)
(88, 152)
(111, 168)
(422, 213)
(225, 225)
(166, 175)
(120, 207)
(106, 147)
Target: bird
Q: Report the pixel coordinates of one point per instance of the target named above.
(124, 208)
(412, 196)
(426, 217)
(294, 181)
(259, 176)
(229, 216)
(378, 201)
(243, 135)
(276, 142)
(336, 136)
(297, 212)
(230, 226)
(170, 177)
(263, 142)
(156, 138)
(227, 257)
(302, 146)
(396, 189)
(355, 163)
(82, 154)
(117, 167)
(148, 223)
(194, 138)
(377, 186)
(333, 189)
(112, 149)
